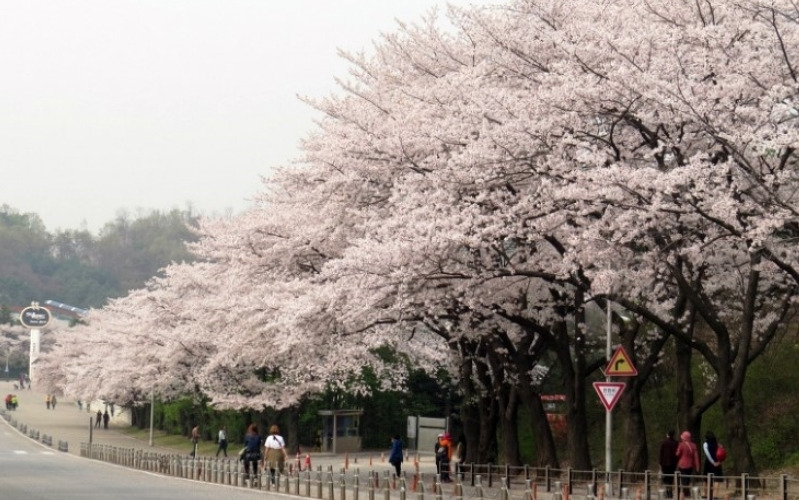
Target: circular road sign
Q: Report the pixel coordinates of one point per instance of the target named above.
(35, 317)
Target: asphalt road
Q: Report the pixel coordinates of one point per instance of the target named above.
(31, 471)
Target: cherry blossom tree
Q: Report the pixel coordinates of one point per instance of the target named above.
(625, 145)
(687, 174)
(473, 192)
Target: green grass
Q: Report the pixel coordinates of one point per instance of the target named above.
(180, 444)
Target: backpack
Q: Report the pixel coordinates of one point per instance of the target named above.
(721, 453)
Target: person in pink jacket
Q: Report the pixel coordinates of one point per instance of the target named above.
(687, 462)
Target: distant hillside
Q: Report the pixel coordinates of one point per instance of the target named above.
(78, 268)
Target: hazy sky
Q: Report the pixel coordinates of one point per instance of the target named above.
(160, 104)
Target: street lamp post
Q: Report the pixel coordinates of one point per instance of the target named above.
(152, 413)
(608, 414)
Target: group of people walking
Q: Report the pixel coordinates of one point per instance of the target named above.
(683, 456)
(102, 417)
(267, 453)
(270, 453)
(50, 401)
(445, 454)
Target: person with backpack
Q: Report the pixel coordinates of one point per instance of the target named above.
(276, 455)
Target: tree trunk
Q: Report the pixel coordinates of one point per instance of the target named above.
(688, 417)
(489, 412)
(636, 453)
(470, 418)
(510, 427)
(292, 431)
(470, 413)
(487, 443)
(574, 378)
(546, 453)
(737, 445)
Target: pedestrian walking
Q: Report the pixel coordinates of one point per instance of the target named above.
(443, 451)
(668, 462)
(195, 440)
(98, 418)
(687, 462)
(53, 401)
(395, 456)
(276, 455)
(251, 454)
(106, 418)
(222, 440)
(47, 401)
(712, 462)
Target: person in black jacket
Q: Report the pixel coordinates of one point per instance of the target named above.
(252, 453)
(668, 462)
(443, 450)
(712, 464)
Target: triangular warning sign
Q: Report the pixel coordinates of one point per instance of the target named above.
(620, 365)
(609, 393)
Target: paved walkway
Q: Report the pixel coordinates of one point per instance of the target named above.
(70, 424)
(66, 422)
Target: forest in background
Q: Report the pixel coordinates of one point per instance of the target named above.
(84, 270)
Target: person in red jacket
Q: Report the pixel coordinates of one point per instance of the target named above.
(687, 462)
(443, 451)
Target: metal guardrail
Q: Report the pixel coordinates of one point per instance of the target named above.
(472, 481)
(345, 484)
(646, 485)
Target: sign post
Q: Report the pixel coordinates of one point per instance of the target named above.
(35, 318)
(619, 365)
(608, 414)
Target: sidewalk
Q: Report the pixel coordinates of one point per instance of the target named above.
(68, 423)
